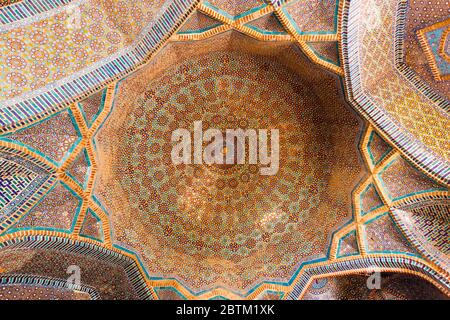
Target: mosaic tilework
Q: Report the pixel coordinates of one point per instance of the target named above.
(79, 169)
(382, 236)
(168, 294)
(401, 180)
(46, 103)
(92, 227)
(395, 284)
(403, 114)
(32, 292)
(354, 287)
(199, 22)
(93, 223)
(326, 50)
(370, 200)
(426, 225)
(54, 137)
(165, 208)
(236, 7)
(415, 78)
(270, 295)
(92, 106)
(32, 287)
(434, 222)
(64, 208)
(19, 10)
(56, 211)
(14, 180)
(313, 16)
(415, 57)
(381, 264)
(267, 24)
(109, 280)
(374, 230)
(37, 104)
(348, 245)
(23, 182)
(111, 274)
(70, 48)
(433, 40)
(7, 2)
(167, 55)
(377, 148)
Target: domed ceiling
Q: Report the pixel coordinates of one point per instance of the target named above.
(357, 115)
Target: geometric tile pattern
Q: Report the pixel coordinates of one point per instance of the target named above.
(25, 67)
(53, 137)
(91, 106)
(7, 2)
(64, 206)
(27, 292)
(348, 245)
(434, 221)
(37, 176)
(357, 225)
(393, 286)
(236, 7)
(427, 226)
(80, 168)
(56, 211)
(106, 273)
(38, 75)
(128, 183)
(383, 236)
(199, 22)
(370, 200)
(270, 295)
(9, 9)
(388, 97)
(23, 180)
(92, 227)
(313, 16)
(434, 41)
(418, 54)
(13, 180)
(375, 230)
(168, 294)
(328, 51)
(402, 180)
(377, 148)
(271, 23)
(415, 58)
(267, 24)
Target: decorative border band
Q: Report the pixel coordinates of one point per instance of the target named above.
(28, 8)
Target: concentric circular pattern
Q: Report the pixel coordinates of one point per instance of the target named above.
(226, 225)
